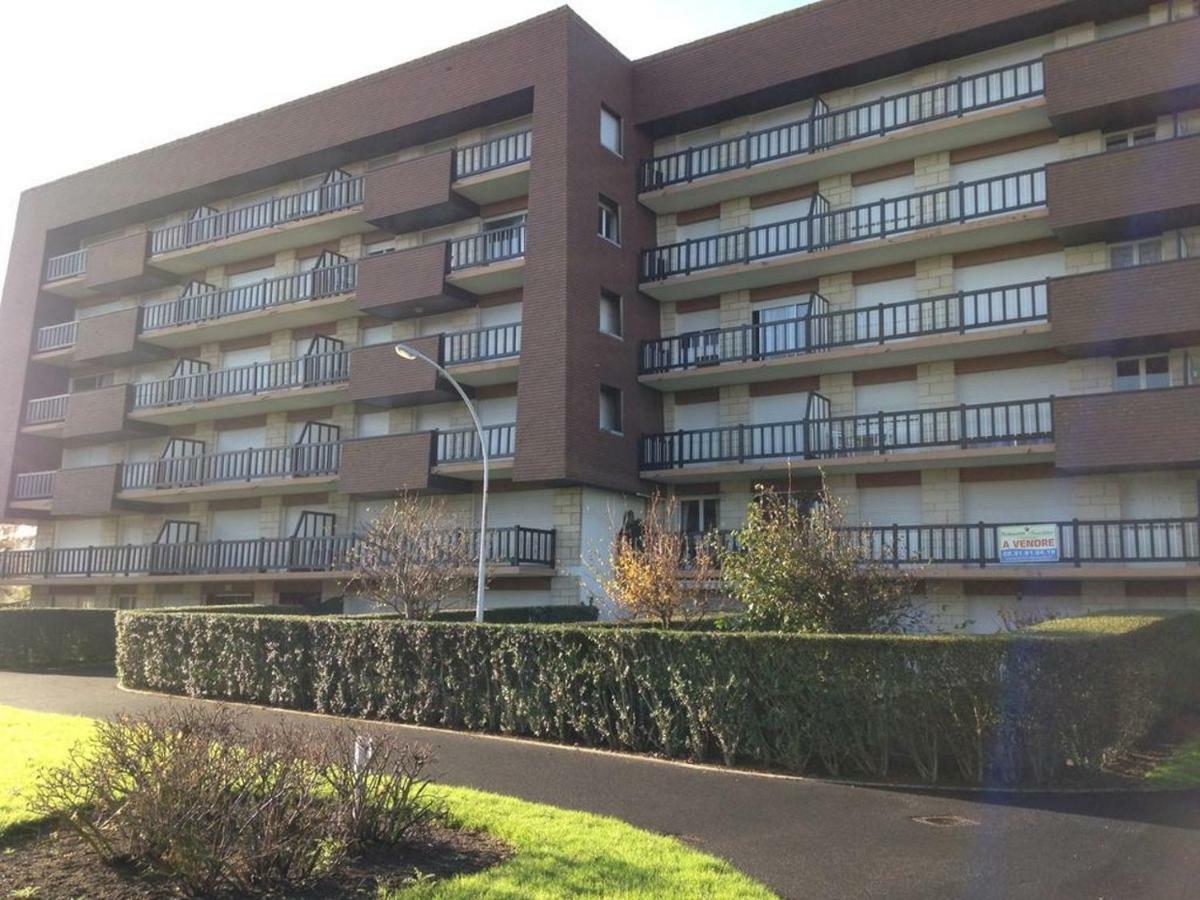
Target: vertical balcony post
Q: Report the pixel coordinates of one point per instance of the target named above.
(1075, 548)
(982, 545)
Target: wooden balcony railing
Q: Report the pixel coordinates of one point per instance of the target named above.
(512, 546)
(823, 228)
(324, 282)
(462, 444)
(487, 247)
(821, 330)
(312, 370)
(251, 464)
(482, 344)
(825, 128)
(337, 195)
(1018, 422)
(492, 154)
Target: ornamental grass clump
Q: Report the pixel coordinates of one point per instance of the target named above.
(221, 809)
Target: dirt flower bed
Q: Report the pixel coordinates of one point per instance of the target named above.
(190, 803)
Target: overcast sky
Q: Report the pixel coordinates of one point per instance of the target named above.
(87, 82)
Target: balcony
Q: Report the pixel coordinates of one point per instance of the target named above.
(408, 283)
(115, 266)
(1129, 430)
(446, 187)
(1133, 310)
(33, 490)
(212, 238)
(511, 550)
(272, 386)
(489, 261)
(380, 378)
(1125, 80)
(101, 414)
(297, 467)
(484, 355)
(113, 338)
(458, 452)
(45, 411)
(1008, 318)
(1121, 194)
(980, 434)
(968, 110)
(963, 216)
(966, 550)
(307, 298)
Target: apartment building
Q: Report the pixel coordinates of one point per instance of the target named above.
(944, 254)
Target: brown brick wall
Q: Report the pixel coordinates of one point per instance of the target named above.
(408, 283)
(414, 194)
(1126, 193)
(84, 492)
(377, 374)
(112, 334)
(120, 264)
(96, 413)
(1128, 430)
(381, 465)
(1125, 308)
(1126, 80)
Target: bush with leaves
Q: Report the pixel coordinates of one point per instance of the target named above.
(192, 795)
(413, 557)
(794, 570)
(657, 572)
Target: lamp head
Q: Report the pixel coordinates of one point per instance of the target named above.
(403, 352)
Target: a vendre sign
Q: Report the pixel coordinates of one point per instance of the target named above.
(1027, 543)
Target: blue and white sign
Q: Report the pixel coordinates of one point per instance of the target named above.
(1022, 544)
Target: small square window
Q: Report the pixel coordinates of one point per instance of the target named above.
(609, 226)
(1158, 372)
(610, 131)
(1149, 252)
(1121, 257)
(610, 409)
(610, 314)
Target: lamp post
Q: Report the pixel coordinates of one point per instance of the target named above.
(404, 351)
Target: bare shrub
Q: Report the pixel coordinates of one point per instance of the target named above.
(657, 572)
(191, 794)
(412, 558)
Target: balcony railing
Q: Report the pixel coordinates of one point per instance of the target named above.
(487, 247)
(513, 546)
(825, 128)
(318, 201)
(1077, 542)
(1013, 423)
(481, 345)
(462, 444)
(252, 464)
(41, 410)
(822, 330)
(68, 265)
(55, 337)
(325, 282)
(34, 486)
(314, 370)
(823, 228)
(496, 153)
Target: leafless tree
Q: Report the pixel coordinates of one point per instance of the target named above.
(413, 557)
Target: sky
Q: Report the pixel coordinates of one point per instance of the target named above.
(87, 82)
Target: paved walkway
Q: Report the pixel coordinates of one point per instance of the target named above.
(803, 838)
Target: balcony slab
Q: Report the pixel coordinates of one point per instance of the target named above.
(495, 371)
(242, 404)
(228, 489)
(255, 322)
(497, 185)
(503, 275)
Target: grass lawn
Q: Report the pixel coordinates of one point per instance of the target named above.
(1180, 770)
(558, 853)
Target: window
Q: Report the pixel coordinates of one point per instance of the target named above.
(91, 382)
(698, 515)
(1143, 373)
(610, 313)
(1141, 253)
(610, 131)
(1191, 368)
(610, 220)
(378, 248)
(1119, 140)
(610, 409)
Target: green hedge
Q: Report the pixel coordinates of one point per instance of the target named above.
(984, 710)
(56, 638)
(524, 615)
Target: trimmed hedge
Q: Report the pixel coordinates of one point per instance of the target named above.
(56, 638)
(524, 615)
(984, 710)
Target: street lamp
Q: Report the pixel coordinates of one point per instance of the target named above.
(404, 351)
